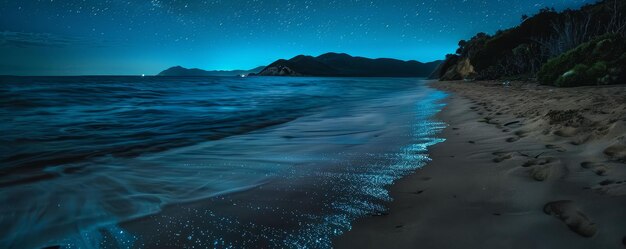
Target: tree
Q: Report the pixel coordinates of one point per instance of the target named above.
(617, 22)
(568, 33)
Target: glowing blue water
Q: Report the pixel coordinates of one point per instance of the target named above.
(126, 162)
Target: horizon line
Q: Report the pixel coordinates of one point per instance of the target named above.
(192, 67)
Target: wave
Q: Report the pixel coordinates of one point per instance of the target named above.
(81, 155)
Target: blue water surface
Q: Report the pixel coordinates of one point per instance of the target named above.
(154, 162)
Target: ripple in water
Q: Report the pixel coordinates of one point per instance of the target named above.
(207, 162)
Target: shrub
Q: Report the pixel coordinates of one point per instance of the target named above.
(599, 61)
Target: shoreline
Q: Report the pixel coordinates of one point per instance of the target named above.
(508, 170)
(332, 153)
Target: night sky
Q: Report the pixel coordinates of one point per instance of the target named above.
(96, 37)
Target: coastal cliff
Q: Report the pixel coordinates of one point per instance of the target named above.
(568, 48)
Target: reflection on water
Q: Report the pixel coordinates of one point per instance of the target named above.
(85, 157)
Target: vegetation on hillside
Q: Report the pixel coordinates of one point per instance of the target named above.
(566, 48)
(600, 61)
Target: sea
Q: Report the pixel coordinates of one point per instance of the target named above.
(204, 162)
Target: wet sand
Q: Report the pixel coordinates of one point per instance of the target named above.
(323, 171)
(524, 166)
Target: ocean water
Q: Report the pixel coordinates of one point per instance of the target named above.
(208, 162)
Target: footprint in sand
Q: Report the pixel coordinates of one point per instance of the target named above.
(512, 139)
(597, 168)
(518, 135)
(521, 133)
(503, 156)
(616, 152)
(611, 187)
(491, 120)
(580, 140)
(556, 147)
(540, 161)
(572, 216)
(542, 168)
(541, 172)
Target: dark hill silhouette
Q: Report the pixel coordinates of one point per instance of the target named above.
(344, 65)
(181, 71)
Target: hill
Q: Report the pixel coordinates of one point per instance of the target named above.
(181, 71)
(344, 65)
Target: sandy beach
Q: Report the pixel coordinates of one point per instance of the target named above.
(524, 166)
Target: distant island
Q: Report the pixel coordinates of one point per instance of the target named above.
(181, 71)
(344, 65)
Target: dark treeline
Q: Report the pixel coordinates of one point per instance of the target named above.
(569, 48)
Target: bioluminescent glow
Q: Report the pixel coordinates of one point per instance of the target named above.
(332, 148)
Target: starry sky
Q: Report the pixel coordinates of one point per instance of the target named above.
(120, 37)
